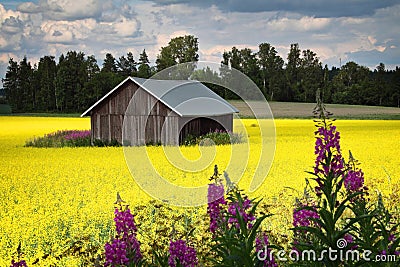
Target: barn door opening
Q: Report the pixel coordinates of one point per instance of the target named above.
(199, 126)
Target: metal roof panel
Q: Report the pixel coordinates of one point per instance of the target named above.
(185, 97)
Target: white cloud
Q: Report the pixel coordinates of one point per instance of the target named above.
(57, 26)
(67, 32)
(215, 53)
(29, 7)
(67, 9)
(72, 9)
(126, 27)
(6, 13)
(302, 24)
(5, 57)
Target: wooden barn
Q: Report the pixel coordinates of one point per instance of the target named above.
(142, 111)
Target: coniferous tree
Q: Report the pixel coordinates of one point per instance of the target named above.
(10, 84)
(109, 64)
(144, 70)
(127, 65)
(70, 81)
(77, 82)
(46, 75)
(292, 71)
(395, 84)
(26, 91)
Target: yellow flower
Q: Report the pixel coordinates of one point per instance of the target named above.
(57, 199)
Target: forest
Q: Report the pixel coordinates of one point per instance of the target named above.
(76, 81)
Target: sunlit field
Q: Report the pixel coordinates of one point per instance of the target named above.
(59, 202)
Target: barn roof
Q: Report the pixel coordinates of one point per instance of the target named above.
(187, 98)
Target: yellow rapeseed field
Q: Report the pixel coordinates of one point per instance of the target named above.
(58, 202)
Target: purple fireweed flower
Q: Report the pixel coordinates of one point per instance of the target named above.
(303, 217)
(77, 134)
(180, 252)
(124, 222)
(20, 263)
(354, 181)
(116, 253)
(247, 217)
(125, 247)
(327, 142)
(262, 245)
(215, 202)
(215, 193)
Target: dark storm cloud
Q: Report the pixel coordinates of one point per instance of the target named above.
(317, 8)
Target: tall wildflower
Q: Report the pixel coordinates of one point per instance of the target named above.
(124, 248)
(340, 188)
(234, 225)
(320, 224)
(354, 179)
(182, 254)
(116, 253)
(329, 160)
(216, 201)
(303, 216)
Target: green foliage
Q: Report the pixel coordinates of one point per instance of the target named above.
(105, 143)
(341, 210)
(76, 82)
(235, 245)
(69, 138)
(66, 138)
(5, 109)
(144, 69)
(180, 49)
(272, 74)
(216, 137)
(183, 49)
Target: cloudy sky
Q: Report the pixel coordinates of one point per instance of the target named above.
(364, 31)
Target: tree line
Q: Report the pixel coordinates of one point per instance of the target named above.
(303, 74)
(76, 81)
(71, 85)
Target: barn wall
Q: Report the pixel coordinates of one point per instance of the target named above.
(146, 113)
(107, 117)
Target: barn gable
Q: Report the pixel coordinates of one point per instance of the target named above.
(164, 111)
